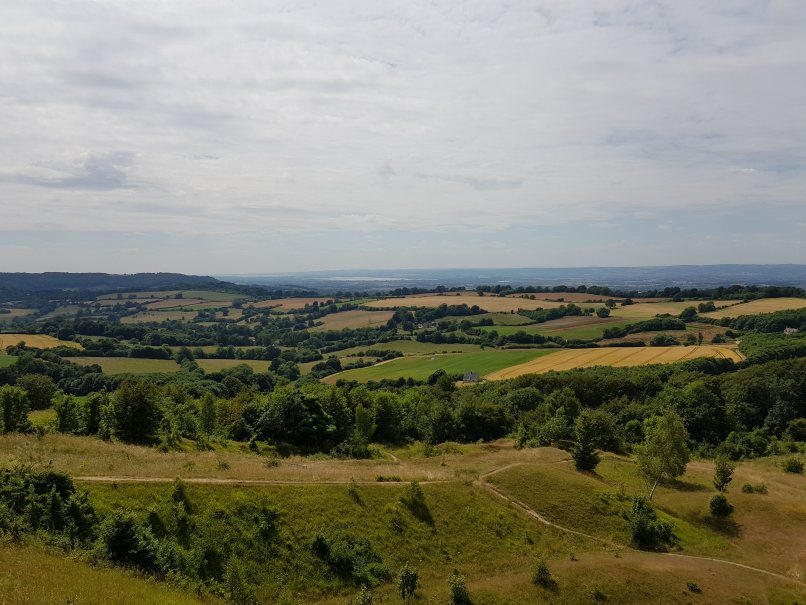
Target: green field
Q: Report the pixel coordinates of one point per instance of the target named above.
(6, 360)
(421, 367)
(128, 365)
(215, 365)
(208, 295)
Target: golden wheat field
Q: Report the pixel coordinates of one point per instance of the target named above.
(492, 304)
(570, 359)
(756, 307)
(353, 319)
(38, 341)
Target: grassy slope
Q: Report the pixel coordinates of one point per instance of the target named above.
(31, 574)
(214, 365)
(422, 367)
(128, 365)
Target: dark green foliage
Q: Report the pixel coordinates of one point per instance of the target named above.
(719, 505)
(14, 406)
(40, 389)
(648, 532)
(407, 581)
(350, 557)
(793, 465)
(239, 589)
(364, 597)
(136, 411)
(584, 451)
(459, 593)
(125, 542)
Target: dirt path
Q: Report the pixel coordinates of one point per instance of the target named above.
(536, 515)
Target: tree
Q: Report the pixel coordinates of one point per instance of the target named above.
(603, 312)
(14, 405)
(136, 411)
(719, 505)
(723, 473)
(664, 453)
(40, 389)
(364, 429)
(689, 314)
(407, 581)
(207, 413)
(584, 450)
(67, 413)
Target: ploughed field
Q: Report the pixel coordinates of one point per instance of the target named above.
(570, 359)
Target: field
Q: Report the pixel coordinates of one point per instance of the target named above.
(613, 356)
(499, 319)
(6, 360)
(421, 367)
(353, 319)
(128, 365)
(289, 304)
(642, 311)
(159, 316)
(208, 295)
(214, 365)
(38, 341)
(493, 304)
(14, 313)
(170, 303)
(756, 307)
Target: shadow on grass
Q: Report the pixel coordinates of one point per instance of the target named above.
(723, 525)
(687, 486)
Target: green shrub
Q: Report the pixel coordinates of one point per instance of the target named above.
(693, 586)
(723, 473)
(648, 532)
(793, 465)
(719, 505)
(350, 557)
(459, 594)
(407, 581)
(747, 489)
(126, 542)
(364, 597)
(542, 575)
(413, 498)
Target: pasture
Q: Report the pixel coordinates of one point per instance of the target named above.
(493, 304)
(36, 341)
(14, 314)
(6, 360)
(159, 316)
(290, 304)
(353, 319)
(757, 307)
(170, 303)
(128, 365)
(570, 359)
(421, 367)
(207, 295)
(216, 365)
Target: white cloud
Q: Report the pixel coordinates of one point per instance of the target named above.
(202, 117)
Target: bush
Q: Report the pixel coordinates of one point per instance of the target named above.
(720, 507)
(413, 499)
(648, 532)
(125, 542)
(747, 489)
(542, 575)
(459, 594)
(793, 465)
(351, 557)
(407, 581)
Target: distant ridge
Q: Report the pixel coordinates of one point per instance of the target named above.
(43, 282)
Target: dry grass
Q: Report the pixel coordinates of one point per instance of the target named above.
(615, 357)
(493, 304)
(353, 319)
(38, 341)
(579, 297)
(128, 365)
(288, 304)
(159, 316)
(756, 307)
(14, 314)
(642, 311)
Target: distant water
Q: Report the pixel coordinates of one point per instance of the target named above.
(632, 278)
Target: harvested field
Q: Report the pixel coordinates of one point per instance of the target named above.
(170, 303)
(128, 365)
(159, 316)
(14, 314)
(353, 319)
(642, 311)
(421, 367)
(289, 304)
(215, 365)
(493, 304)
(615, 357)
(38, 341)
(756, 307)
(579, 297)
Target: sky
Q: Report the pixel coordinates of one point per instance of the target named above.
(259, 136)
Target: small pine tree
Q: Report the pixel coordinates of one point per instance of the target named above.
(542, 576)
(207, 414)
(723, 473)
(459, 594)
(584, 451)
(407, 582)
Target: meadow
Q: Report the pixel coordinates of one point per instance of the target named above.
(128, 365)
(39, 341)
(421, 367)
(6, 360)
(613, 356)
(353, 319)
(290, 304)
(494, 304)
(160, 316)
(14, 314)
(215, 365)
(207, 295)
(755, 307)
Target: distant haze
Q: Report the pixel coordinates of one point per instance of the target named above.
(205, 137)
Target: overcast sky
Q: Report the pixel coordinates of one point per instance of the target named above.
(259, 136)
